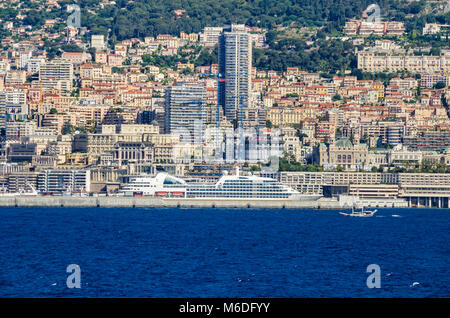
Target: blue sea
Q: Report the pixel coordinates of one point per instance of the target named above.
(132, 252)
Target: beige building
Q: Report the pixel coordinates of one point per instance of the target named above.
(109, 137)
(57, 74)
(98, 41)
(342, 153)
(419, 189)
(370, 62)
(374, 191)
(60, 148)
(281, 116)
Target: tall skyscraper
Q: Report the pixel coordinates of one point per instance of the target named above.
(185, 111)
(235, 63)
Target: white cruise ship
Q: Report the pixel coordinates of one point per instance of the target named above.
(242, 187)
(234, 187)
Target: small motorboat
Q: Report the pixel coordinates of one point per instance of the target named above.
(363, 213)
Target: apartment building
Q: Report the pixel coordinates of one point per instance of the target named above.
(210, 36)
(429, 80)
(434, 28)
(15, 77)
(185, 111)
(64, 181)
(76, 57)
(428, 141)
(57, 74)
(13, 106)
(370, 62)
(313, 182)
(109, 135)
(429, 189)
(98, 41)
(235, 63)
(15, 130)
(365, 28)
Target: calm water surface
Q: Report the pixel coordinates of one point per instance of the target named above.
(222, 252)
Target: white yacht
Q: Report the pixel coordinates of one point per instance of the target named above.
(234, 187)
(161, 185)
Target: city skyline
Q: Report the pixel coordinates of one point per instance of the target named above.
(233, 149)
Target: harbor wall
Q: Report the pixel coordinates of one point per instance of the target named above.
(141, 202)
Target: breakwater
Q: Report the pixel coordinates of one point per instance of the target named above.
(140, 202)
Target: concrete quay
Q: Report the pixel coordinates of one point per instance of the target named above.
(141, 202)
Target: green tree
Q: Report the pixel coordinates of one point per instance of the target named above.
(67, 128)
(71, 48)
(439, 85)
(337, 97)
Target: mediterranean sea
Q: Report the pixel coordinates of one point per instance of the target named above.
(134, 252)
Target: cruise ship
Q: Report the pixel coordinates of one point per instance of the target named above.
(234, 187)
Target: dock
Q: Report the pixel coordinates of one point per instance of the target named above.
(155, 202)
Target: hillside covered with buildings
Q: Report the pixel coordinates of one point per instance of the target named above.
(340, 101)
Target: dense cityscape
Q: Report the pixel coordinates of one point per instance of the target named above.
(84, 111)
(213, 157)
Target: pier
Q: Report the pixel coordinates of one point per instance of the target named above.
(155, 202)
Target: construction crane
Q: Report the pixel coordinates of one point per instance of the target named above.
(221, 78)
(41, 96)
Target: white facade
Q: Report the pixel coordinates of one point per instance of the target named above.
(57, 74)
(210, 36)
(98, 42)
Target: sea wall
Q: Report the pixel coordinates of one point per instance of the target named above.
(139, 202)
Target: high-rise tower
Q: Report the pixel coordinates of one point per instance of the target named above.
(185, 111)
(235, 63)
